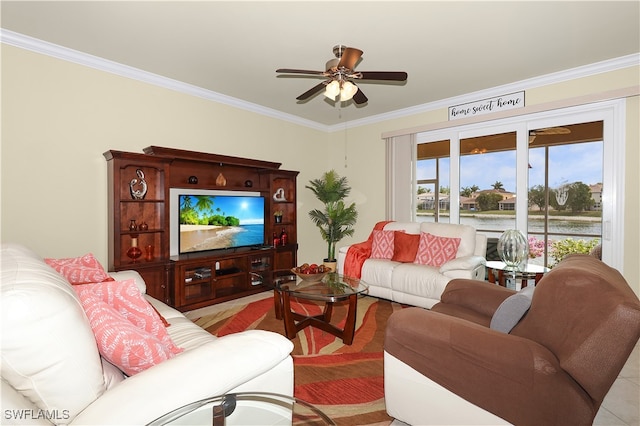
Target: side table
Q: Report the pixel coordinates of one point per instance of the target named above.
(524, 273)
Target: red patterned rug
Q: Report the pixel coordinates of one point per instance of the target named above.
(344, 381)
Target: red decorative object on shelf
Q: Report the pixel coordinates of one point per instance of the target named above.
(148, 253)
(134, 251)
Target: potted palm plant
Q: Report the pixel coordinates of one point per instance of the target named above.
(336, 220)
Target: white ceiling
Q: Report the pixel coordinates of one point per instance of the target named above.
(448, 48)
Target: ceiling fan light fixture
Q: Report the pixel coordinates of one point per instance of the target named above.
(332, 90)
(338, 72)
(347, 91)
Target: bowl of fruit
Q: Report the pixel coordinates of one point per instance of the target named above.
(310, 272)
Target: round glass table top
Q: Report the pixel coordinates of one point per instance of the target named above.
(527, 268)
(246, 408)
(332, 287)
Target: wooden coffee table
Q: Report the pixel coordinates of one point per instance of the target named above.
(333, 288)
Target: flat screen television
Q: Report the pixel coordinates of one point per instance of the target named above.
(215, 220)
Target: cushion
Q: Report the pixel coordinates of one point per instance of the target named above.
(405, 247)
(126, 299)
(80, 270)
(119, 341)
(466, 233)
(45, 335)
(436, 251)
(511, 310)
(382, 246)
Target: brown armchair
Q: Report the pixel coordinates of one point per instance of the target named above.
(554, 367)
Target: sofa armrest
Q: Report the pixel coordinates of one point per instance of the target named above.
(464, 263)
(513, 377)
(341, 258)
(478, 296)
(211, 369)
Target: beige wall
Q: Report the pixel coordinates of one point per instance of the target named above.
(58, 118)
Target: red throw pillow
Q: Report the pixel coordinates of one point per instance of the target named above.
(126, 299)
(436, 251)
(80, 270)
(405, 247)
(119, 341)
(382, 246)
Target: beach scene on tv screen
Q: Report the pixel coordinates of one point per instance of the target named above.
(211, 222)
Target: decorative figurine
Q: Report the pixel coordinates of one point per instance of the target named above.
(138, 194)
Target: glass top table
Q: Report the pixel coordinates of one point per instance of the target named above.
(245, 408)
(331, 289)
(524, 272)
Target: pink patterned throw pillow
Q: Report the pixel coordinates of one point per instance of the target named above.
(382, 246)
(80, 270)
(125, 297)
(436, 251)
(121, 343)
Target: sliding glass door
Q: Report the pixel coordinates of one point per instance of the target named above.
(550, 175)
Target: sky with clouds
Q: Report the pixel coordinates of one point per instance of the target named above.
(567, 164)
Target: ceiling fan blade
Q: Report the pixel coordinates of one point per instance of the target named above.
(293, 71)
(553, 131)
(315, 89)
(349, 58)
(383, 75)
(360, 98)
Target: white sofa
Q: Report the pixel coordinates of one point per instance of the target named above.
(422, 285)
(52, 371)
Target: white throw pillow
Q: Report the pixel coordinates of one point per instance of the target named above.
(511, 310)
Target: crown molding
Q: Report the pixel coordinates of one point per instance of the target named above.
(632, 60)
(39, 46)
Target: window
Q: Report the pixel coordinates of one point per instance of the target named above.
(517, 159)
(565, 190)
(432, 173)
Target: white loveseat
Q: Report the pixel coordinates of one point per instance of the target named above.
(417, 284)
(52, 371)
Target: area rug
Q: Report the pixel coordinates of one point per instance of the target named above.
(344, 381)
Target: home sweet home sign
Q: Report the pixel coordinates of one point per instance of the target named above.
(486, 106)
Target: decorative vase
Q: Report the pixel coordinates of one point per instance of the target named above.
(134, 251)
(132, 225)
(143, 226)
(513, 248)
(148, 253)
(278, 219)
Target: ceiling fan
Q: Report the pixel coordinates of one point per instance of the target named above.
(547, 131)
(340, 76)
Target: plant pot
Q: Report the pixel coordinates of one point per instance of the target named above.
(331, 264)
(278, 219)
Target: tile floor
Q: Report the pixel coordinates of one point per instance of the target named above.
(621, 406)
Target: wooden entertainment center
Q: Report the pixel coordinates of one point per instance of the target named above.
(140, 224)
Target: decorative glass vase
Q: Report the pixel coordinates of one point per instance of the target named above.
(513, 248)
(134, 251)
